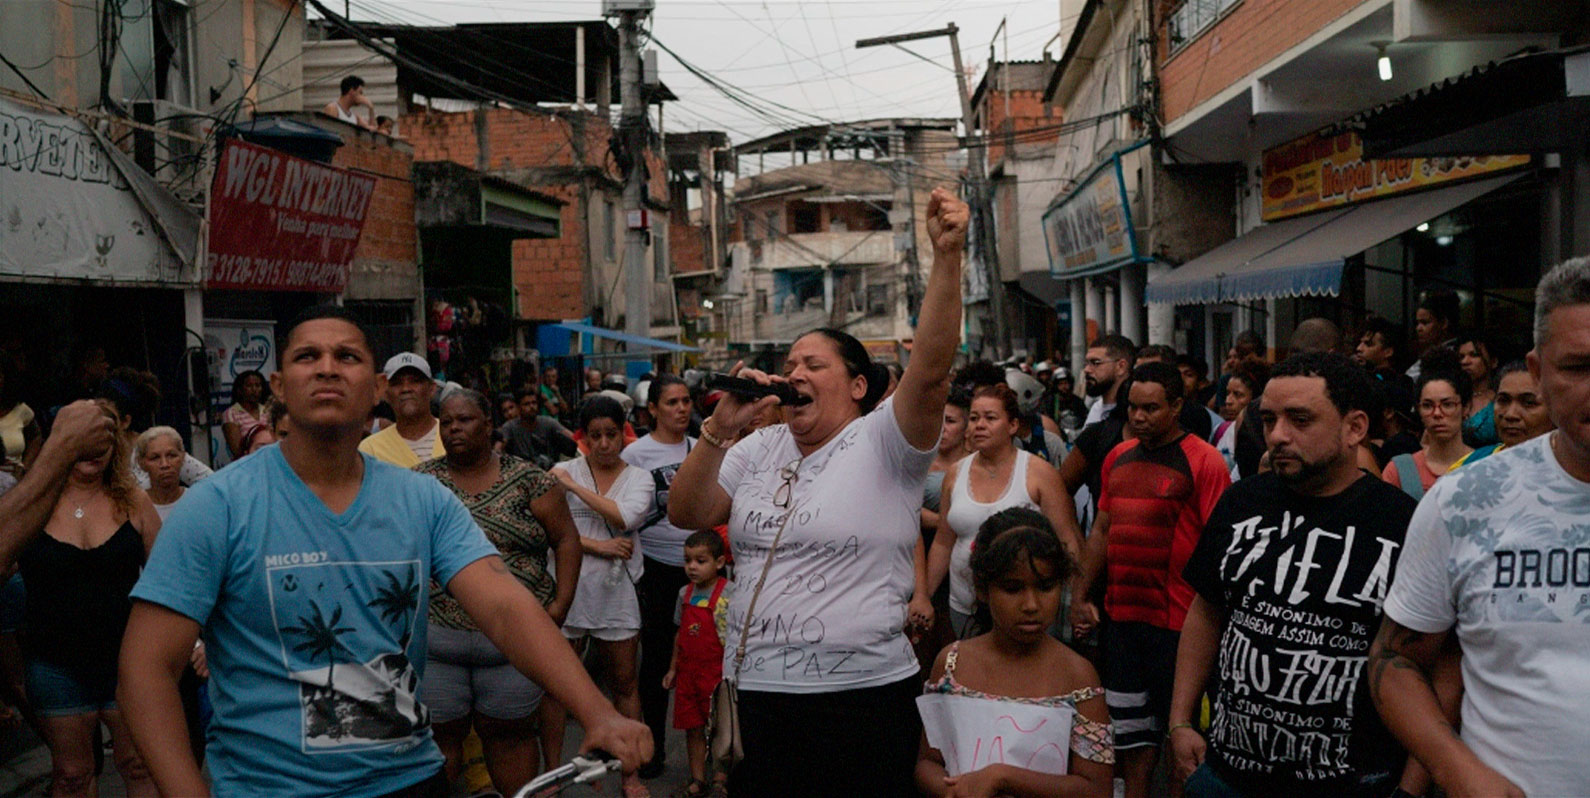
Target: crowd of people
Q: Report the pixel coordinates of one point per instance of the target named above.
(1348, 571)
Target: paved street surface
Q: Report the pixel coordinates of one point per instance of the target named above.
(25, 770)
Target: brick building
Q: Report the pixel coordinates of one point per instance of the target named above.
(532, 139)
(1009, 113)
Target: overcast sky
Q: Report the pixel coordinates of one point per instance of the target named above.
(797, 53)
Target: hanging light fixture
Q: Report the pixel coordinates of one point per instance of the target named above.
(1383, 63)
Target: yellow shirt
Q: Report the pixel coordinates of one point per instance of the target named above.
(12, 426)
(390, 447)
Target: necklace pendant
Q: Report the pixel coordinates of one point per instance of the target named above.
(78, 513)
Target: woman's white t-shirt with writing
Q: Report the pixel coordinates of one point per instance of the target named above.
(601, 602)
(832, 614)
(1499, 551)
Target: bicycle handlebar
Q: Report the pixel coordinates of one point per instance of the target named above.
(581, 769)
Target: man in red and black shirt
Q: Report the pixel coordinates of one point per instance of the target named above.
(1158, 490)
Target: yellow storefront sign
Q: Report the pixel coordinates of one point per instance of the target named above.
(1319, 172)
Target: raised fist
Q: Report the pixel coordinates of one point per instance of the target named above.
(947, 218)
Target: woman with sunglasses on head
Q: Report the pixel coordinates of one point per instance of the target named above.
(79, 577)
(823, 514)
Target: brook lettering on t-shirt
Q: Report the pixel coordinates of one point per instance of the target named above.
(659, 539)
(832, 614)
(314, 623)
(1500, 550)
(1302, 579)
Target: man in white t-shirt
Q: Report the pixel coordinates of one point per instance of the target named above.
(1109, 361)
(1499, 552)
(413, 438)
(350, 96)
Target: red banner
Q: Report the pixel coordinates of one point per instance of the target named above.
(280, 223)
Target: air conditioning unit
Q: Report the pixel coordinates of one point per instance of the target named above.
(174, 154)
(614, 7)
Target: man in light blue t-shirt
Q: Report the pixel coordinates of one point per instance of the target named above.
(306, 567)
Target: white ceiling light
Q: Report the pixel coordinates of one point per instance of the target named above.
(1423, 228)
(1383, 63)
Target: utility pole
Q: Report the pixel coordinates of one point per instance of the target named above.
(979, 192)
(632, 131)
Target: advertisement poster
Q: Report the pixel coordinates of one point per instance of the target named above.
(1319, 172)
(234, 347)
(280, 223)
(1091, 227)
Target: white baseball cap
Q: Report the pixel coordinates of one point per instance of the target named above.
(406, 360)
(620, 397)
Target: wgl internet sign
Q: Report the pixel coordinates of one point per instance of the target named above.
(280, 223)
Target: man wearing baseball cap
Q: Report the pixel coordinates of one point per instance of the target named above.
(413, 439)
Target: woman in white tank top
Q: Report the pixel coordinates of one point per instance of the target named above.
(996, 476)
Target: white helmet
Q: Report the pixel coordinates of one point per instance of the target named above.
(1028, 389)
(638, 392)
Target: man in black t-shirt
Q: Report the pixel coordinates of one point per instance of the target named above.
(540, 439)
(1290, 574)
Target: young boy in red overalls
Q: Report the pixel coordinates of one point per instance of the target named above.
(697, 664)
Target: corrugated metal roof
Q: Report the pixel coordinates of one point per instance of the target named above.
(326, 63)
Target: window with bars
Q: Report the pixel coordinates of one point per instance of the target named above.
(1194, 17)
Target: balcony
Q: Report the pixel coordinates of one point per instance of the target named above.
(820, 250)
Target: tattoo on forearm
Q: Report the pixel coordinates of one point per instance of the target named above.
(1388, 652)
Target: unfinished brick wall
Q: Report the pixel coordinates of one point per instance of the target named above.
(1250, 35)
(1027, 112)
(385, 266)
(556, 155)
(549, 273)
(687, 248)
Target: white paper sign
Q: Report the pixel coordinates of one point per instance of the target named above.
(973, 733)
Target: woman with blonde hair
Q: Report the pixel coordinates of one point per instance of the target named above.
(79, 575)
(159, 452)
